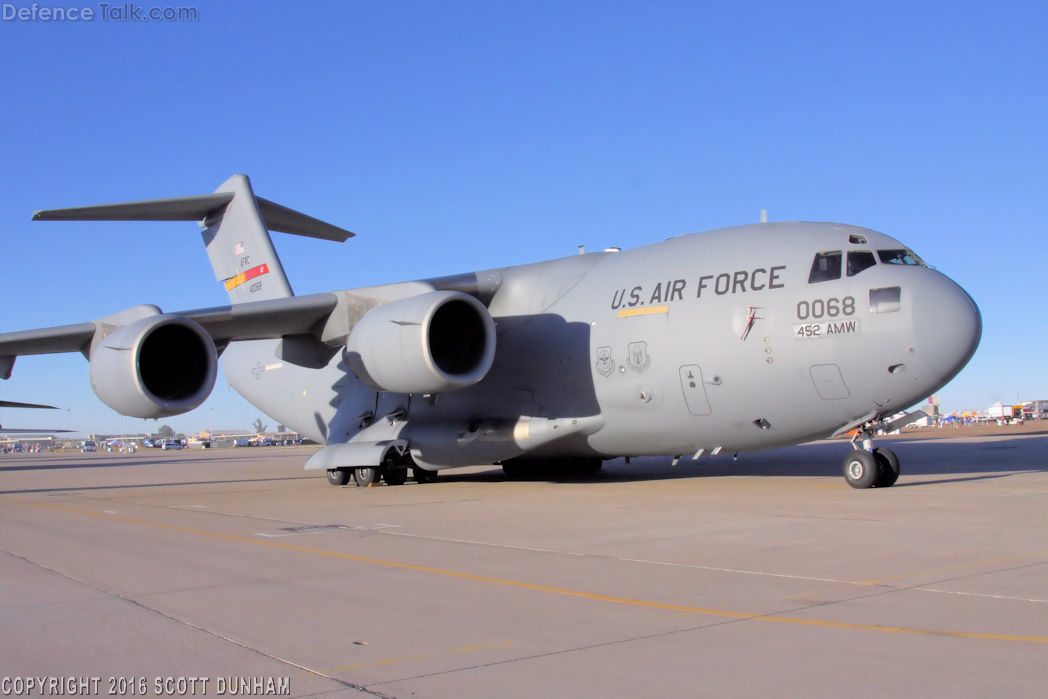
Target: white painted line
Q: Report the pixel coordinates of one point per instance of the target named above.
(982, 594)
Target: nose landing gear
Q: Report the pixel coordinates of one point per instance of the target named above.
(868, 467)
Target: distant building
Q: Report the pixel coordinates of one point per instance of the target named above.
(1035, 410)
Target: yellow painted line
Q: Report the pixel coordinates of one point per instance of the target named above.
(650, 310)
(646, 604)
(977, 564)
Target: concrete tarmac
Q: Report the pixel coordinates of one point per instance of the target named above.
(236, 573)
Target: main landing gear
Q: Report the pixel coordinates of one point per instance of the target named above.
(866, 467)
(363, 477)
(393, 470)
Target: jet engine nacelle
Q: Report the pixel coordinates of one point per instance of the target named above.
(431, 343)
(158, 366)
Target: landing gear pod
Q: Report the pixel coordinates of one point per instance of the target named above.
(156, 367)
(432, 343)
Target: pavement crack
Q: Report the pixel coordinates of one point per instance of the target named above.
(562, 651)
(185, 622)
(978, 574)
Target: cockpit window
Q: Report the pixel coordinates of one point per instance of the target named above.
(900, 257)
(825, 267)
(858, 260)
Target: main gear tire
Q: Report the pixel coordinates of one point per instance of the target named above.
(364, 477)
(338, 476)
(395, 475)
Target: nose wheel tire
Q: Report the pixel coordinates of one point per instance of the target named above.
(879, 469)
(861, 469)
(888, 464)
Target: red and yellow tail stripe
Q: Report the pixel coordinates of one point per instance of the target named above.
(234, 282)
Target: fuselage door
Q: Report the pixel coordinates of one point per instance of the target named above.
(694, 390)
(829, 382)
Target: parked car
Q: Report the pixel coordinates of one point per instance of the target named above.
(172, 444)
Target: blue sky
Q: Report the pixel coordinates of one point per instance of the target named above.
(454, 136)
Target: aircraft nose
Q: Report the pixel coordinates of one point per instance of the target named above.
(948, 326)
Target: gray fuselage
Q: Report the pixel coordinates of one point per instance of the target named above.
(737, 339)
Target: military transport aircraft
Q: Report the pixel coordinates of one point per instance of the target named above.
(736, 339)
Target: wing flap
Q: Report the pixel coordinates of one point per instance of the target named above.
(61, 338)
(260, 320)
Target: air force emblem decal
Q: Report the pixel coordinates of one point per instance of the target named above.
(605, 362)
(638, 357)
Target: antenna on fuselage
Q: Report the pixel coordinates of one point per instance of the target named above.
(764, 215)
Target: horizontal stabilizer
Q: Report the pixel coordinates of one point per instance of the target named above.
(198, 208)
(284, 220)
(171, 209)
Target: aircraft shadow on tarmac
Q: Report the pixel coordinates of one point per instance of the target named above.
(960, 460)
(85, 488)
(92, 463)
(125, 460)
(955, 460)
(131, 461)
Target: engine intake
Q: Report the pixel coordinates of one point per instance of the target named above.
(432, 343)
(156, 367)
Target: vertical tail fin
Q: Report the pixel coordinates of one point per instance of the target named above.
(240, 248)
(236, 233)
